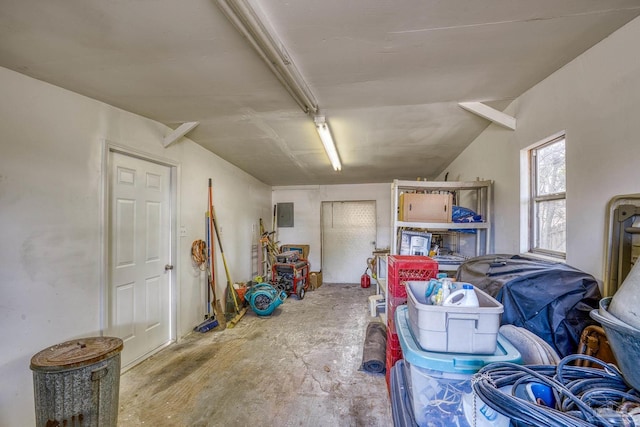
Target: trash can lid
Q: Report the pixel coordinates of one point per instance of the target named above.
(76, 353)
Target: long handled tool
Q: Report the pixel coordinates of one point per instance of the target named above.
(239, 312)
(260, 252)
(212, 277)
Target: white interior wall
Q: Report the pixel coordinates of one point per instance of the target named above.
(50, 216)
(307, 202)
(596, 100)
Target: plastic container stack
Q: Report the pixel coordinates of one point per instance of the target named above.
(437, 385)
(447, 332)
(402, 269)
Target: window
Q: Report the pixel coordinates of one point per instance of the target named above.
(548, 198)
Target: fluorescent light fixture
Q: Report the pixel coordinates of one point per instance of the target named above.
(327, 141)
(255, 29)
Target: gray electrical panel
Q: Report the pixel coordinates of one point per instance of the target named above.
(285, 214)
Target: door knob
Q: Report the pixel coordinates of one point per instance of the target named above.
(168, 267)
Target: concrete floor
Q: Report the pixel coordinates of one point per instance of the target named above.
(298, 367)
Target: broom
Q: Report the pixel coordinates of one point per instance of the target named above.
(231, 292)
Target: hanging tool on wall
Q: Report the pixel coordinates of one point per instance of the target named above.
(264, 263)
(270, 250)
(259, 255)
(199, 255)
(231, 292)
(274, 218)
(275, 223)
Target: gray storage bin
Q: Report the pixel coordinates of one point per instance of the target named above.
(453, 329)
(438, 384)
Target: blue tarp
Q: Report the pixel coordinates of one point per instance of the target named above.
(552, 300)
(460, 214)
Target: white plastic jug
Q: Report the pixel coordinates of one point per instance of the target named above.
(465, 297)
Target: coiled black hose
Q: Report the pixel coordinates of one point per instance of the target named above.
(583, 396)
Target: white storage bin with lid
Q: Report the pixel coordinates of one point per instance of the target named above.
(438, 382)
(453, 329)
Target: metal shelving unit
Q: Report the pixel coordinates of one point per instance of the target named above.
(459, 240)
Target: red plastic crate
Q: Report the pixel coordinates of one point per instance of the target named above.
(392, 358)
(404, 268)
(392, 304)
(393, 343)
(394, 301)
(394, 351)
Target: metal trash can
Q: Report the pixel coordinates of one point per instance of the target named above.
(77, 383)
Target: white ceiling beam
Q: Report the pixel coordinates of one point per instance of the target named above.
(178, 133)
(486, 112)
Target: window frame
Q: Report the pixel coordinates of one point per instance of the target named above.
(535, 199)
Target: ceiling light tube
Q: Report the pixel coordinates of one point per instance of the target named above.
(271, 50)
(327, 142)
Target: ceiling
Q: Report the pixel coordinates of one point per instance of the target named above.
(387, 74)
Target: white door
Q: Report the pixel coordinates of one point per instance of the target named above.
(139, 286)
(348, 239)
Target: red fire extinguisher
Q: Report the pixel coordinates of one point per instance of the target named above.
(365, 280)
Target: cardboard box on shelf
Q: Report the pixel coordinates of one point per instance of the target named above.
(418, 207)
(315, 280)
